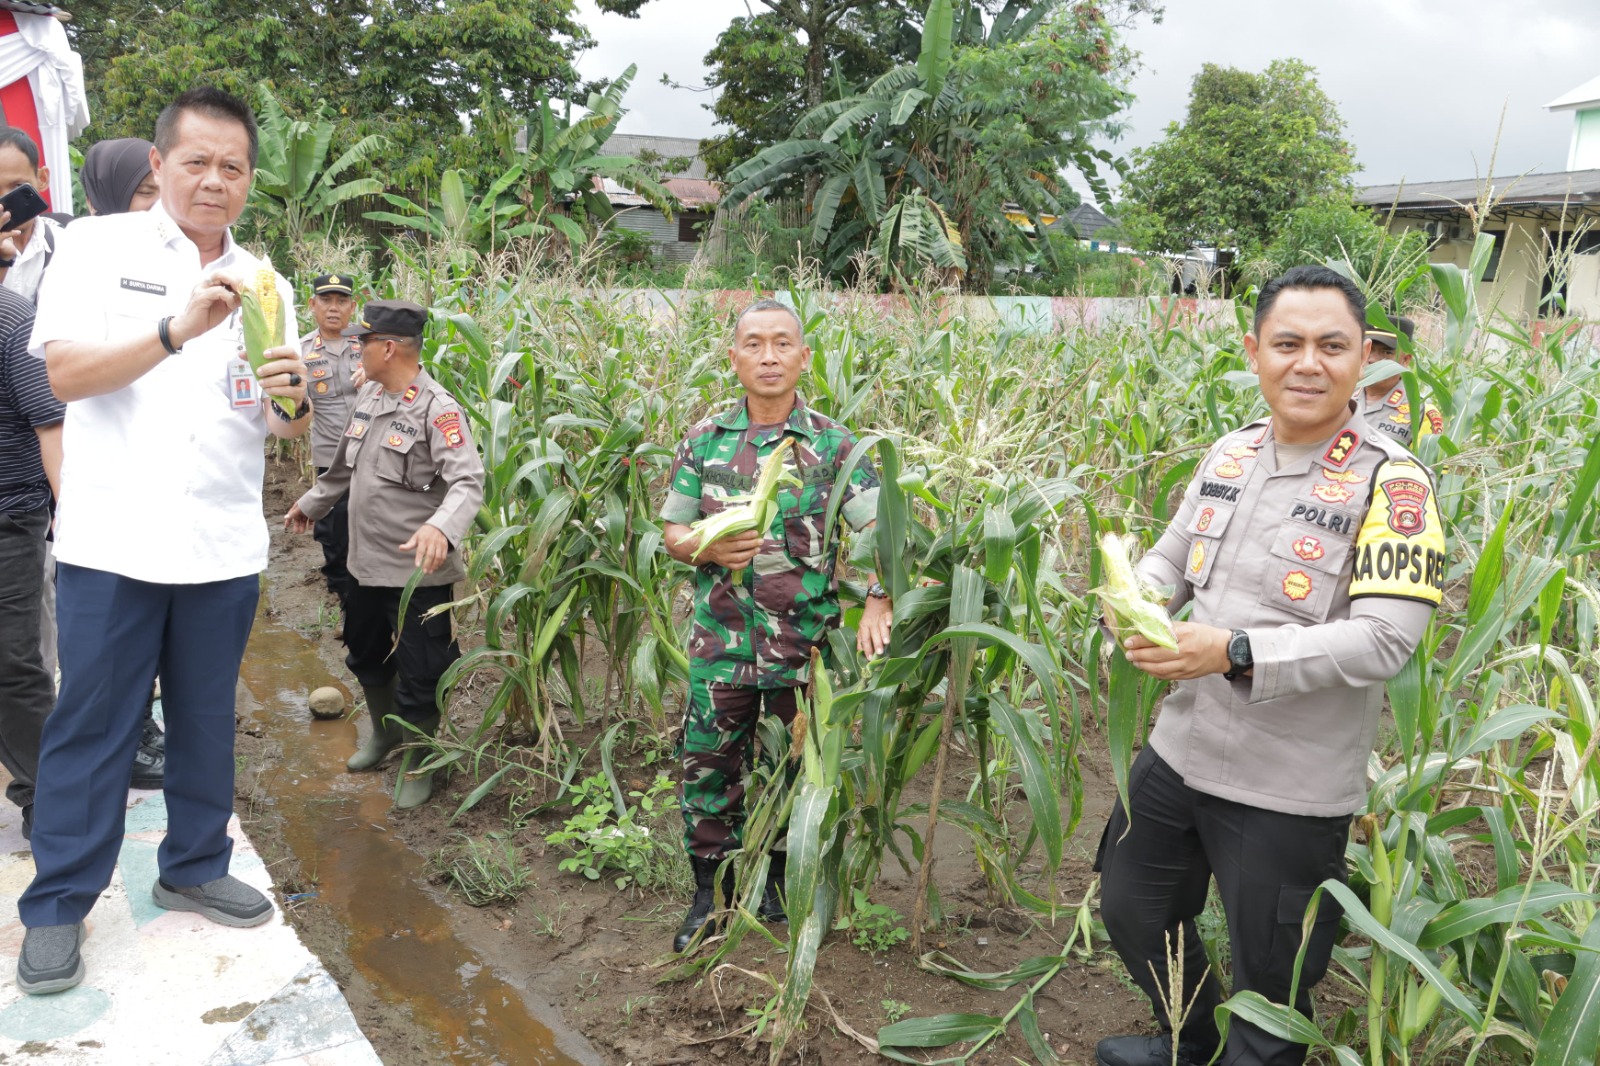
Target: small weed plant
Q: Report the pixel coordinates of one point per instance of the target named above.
(607, 836)
(874, 927)
(485, 870)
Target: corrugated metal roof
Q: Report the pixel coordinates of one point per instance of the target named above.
(691, 193)
(1576, 187)
(1584, 95)
(666, 147)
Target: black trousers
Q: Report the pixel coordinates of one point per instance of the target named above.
(1266, 865)
(425, 652)
(27, 693)
(332, 531)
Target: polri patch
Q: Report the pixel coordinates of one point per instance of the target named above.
(1407, 500)
(449, 424)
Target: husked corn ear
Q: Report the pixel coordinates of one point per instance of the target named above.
(261, 314)
(1128, 598)
(756, 511)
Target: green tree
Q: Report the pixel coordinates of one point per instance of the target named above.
(924, 163)
(1334, 230)
(296, 188)
(404, 69)
(1252, 149)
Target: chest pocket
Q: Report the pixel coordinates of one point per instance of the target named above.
(1206, 527)
(400, 461)
(324, 374)
(1308, 566)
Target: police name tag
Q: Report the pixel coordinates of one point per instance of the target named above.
(244, 390)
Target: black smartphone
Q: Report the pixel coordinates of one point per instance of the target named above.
(25, 205)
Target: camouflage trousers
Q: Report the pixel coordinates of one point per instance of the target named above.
(719, 728)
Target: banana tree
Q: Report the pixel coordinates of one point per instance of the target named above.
(295, 185)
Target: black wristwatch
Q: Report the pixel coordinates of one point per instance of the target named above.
(1240, 657)
(876, 591)
(302, 409)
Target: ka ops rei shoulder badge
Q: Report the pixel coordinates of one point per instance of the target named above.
(1400, 549)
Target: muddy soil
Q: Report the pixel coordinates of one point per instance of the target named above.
(580, 953)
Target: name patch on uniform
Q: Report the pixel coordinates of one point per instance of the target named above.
(401, 427)
(449, 424)
(411, 394)
(1400, 550)
(1332, 521)
(1226, 493)
(151, 287)
(1343, 446)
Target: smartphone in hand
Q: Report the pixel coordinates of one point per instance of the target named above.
(25, 205)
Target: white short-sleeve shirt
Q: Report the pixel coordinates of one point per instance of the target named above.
(161, 480)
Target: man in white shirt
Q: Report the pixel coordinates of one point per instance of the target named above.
(160, 536)
(27, 250)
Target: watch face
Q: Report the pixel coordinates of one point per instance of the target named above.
(1239, 650)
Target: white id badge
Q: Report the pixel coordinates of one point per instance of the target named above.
(243, 388)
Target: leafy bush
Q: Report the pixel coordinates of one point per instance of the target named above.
(603, 838)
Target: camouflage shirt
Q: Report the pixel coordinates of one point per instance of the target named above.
(760, 630)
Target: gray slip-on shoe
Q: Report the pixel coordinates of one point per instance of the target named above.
(50, 961)
(226, 901)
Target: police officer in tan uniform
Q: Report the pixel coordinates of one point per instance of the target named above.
(1310, 549)
(415, 483)
(1384, 403)
(333, 363)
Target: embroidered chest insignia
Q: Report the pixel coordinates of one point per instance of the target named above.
(1203, 523)
(1407, 499)
(1333, 493)
(1297, 585)
(1343, 446)
(1228, 469)
(410, 395)
(1243, 451)
(1197, 557)
(1344, 477)
(395, 440)
(319, 372)
(356, 430)
(322, 388)
(1308, 548)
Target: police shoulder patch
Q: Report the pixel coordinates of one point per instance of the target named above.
(449, 425)
(1400, 549)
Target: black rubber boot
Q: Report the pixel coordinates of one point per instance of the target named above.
(150, 762)
(771, 909)
(705, 880)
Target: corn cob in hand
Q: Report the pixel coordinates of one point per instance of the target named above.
(1125, 596)
(756, 511)
(261, 312)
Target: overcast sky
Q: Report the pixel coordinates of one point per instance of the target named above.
(1420, 83)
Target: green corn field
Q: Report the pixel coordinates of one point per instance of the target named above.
(1005, 455)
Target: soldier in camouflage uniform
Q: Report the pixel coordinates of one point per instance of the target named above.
(753, 637)
(1384, 403)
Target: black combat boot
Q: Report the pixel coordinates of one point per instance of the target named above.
(771, 909)
(705, 880)
(1149, 1051)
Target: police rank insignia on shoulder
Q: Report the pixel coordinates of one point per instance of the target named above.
(1343, 446)
(449, 424)
(1400, 548)
(410, 395)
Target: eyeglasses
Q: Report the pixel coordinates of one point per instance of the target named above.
(365, 337)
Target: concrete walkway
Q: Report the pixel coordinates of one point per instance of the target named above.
(166, 987)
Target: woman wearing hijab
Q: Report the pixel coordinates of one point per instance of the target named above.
(117, 178)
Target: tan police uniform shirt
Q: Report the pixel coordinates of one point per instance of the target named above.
(1333, 564)
(1391, 416)
(329, 365)
(407, 459)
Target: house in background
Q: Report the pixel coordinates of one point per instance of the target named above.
(1546, 226)
(677, 239)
